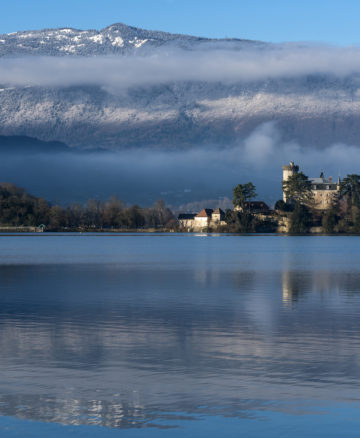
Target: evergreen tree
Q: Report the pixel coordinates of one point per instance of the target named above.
(243, 193)
(280, 205)
(350, 188)
(300, 219)
(297, 188)
(330, 220)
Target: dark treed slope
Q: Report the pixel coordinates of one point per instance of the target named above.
(22, 144)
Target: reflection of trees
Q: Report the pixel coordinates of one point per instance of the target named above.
(96, 351)
(296, 284)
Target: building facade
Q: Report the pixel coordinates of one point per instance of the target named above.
(325, 191)
(218, 217)
(203, 220)
(186, 220)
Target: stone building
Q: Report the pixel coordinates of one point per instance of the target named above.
(217, 216)
(203, 220)
(324, 190)
(186, 220)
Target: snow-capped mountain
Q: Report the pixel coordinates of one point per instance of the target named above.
(312, 109)
(113, 40)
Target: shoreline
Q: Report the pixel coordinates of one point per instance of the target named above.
(164, 232)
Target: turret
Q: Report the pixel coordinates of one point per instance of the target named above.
(288, 170)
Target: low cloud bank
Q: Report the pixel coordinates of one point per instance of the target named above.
(224, 65)
(142, 176)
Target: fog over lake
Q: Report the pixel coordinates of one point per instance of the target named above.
(143, 175)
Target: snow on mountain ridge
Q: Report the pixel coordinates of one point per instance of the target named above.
(182, 115)
(115, 39)
(312, 109)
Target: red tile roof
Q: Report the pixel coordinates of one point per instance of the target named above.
(205, 212)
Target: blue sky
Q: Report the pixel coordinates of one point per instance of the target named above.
(333, 21)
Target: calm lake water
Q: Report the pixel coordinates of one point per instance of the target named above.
(179, 335)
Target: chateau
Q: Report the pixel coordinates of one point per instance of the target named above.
(325, 191)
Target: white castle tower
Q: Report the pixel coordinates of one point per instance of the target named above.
(288, 170)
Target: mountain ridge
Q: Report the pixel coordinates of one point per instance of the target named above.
(118, 38)
(313, 110)
(29, 145)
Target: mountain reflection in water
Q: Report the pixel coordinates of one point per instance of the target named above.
(126, 331)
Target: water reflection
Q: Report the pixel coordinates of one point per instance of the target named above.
(296, 284)
(128, 344)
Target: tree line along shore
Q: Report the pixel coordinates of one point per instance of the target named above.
(19, 209)
(22, 211)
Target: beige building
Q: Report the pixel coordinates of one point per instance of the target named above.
(324, 190)
(217, 217)
(186, 220)
(203, 220)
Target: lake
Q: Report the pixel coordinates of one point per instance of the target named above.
(181, 335)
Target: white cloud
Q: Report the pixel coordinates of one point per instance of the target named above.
(261, 144)
(224, 65)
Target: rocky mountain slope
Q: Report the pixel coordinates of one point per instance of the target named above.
(313, 110)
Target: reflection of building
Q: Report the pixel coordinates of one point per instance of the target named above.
(325, 191)
(201, 221)
(287, 292)
(294, 285)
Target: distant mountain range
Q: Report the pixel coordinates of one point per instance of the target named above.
(117, 39)
(313, 110)
(27, 145)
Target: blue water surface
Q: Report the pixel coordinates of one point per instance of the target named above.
(150, 335)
